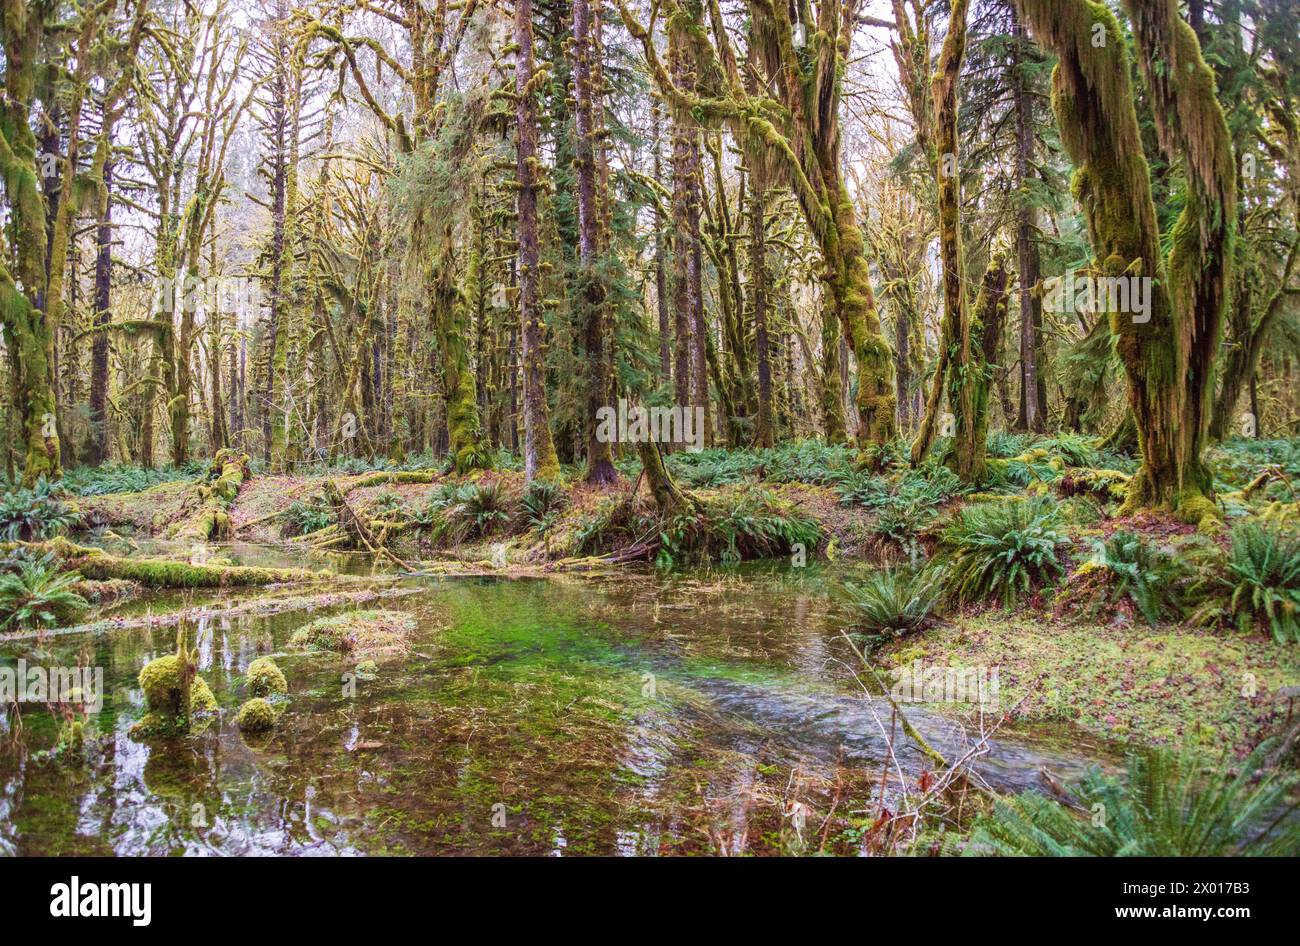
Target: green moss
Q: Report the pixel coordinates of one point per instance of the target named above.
(256, 715)
(364, 633)
(163, 683)
(165, 573)
(201, 698)
(265, 678)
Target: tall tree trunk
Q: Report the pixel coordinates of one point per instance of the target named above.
(27, 329)
(661, 260)
(686, 207)
(1031, 408)
(97, 443)
(1168, 354)
(955, 344)
(764, 431)
(596, 317)
(540, 460)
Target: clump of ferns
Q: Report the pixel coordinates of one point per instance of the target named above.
(1128, 575)
(460, 513)
(30, 515)
(542, 504)
(304, 518)
(1256, 585)
(736, 527)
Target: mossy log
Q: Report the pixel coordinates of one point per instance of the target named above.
(212, 521)
(165, 573)
(382, 477)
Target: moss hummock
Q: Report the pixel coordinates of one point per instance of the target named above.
(265, 678)
(256, 715)
(201, 698)
(367, 634)
(163, 683)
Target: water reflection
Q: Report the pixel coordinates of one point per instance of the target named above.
(634, 714)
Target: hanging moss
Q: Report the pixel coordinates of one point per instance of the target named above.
(1169, 355)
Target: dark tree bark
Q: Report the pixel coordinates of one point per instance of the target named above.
(97, 445)
(764, 433)
(1031, 407)
(540, 460)
(600, 457)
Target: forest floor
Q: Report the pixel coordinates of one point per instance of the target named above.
(1113, 675)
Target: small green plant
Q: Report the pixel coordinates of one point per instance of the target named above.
(893, 602)
(1127, 569)
(467, 511)
(386, 502)
(1260, 584)
(484, 507)
(1001, 550)
(303, 518)
(35, 594)
(1172, 804)
(542, 503)
(30, 515)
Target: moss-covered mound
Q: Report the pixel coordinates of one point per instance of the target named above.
(201, 698)
(163, 683)
(256, 715)
(366, 634)
(170, 706)
(265, 678)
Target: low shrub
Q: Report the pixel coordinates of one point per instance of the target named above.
(893, 602)
(29, 515)
(304, 518)
(1001, 550)
(35, 593)
(1128, 571)
(1172, 804)
(1259, 584)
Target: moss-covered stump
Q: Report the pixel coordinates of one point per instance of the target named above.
(265, 678)
(173, 694)
(255, 716)
(98, 565)
(365, 634)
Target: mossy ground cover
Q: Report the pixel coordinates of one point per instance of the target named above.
(1126, 683)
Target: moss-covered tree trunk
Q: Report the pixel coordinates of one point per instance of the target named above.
(1032, 402)
(540, 460)
(28, 335)
(988, 318)
(685, 212)
(764, 429)
(596, 310)
(1168, 351)
(953, 372)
